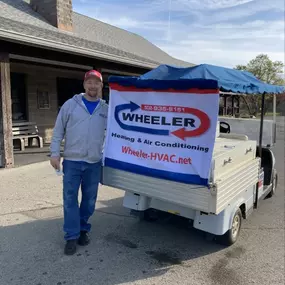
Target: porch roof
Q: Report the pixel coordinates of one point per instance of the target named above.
(90, 37)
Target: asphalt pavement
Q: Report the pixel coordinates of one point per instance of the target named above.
(124, 250)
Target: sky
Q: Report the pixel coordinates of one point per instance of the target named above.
(219, 32)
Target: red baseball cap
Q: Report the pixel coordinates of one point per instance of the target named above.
(93, 73)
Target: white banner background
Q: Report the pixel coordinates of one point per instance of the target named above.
(146, 150)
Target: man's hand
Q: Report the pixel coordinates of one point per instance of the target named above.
(55, 162)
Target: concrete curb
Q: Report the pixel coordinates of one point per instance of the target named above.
(27, 166)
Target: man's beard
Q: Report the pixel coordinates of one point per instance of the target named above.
(93, 93)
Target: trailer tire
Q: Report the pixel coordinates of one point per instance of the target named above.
(274, 186)
(231, 236)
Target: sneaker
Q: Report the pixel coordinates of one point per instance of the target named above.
(70, 247)
(84, 238)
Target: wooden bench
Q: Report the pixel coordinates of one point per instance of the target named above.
(26, 130)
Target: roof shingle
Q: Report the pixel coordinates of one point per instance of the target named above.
(18, 18)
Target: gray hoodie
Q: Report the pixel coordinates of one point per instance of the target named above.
(83, 133)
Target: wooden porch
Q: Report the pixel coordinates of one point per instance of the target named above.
(34, 84)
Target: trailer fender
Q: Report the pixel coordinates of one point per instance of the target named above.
(273, 158)
(274, 172)
(238, 205)
(221, 223)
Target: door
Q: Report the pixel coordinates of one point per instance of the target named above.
(18, 96)
(67, 88)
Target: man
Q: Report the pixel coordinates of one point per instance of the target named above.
(82, 122)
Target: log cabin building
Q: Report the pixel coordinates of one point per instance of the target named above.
(45, 49)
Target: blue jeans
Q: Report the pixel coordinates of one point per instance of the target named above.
(88, 176)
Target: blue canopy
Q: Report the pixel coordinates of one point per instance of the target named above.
(229, 80)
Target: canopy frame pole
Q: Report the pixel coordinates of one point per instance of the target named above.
(260, 144)
(274, 117)
(261, 125)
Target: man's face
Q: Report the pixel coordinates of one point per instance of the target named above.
(93, 87)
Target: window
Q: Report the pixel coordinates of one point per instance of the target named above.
(43, 99)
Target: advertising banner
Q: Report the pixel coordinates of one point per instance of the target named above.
(164, 129)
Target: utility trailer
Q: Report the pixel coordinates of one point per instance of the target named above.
(242, 173)
(236, 174)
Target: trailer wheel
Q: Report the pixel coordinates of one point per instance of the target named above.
(231, 236)
(274, 186)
